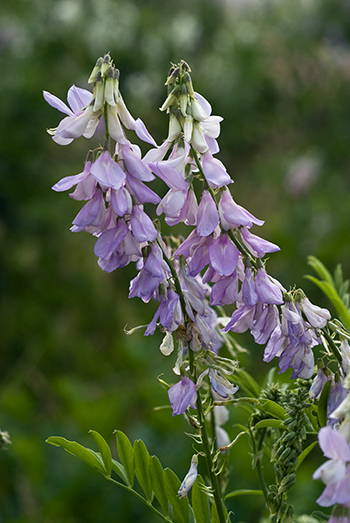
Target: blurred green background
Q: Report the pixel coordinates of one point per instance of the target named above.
(278, 71)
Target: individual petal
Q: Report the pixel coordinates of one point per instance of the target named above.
(135, 166)
(182, 396)
(78, 98)
(143, 134)
(121, 201)
(241, 319)
(57, 103)
(333, 445)
(265, 324)
(114, 127)
(249, 295)
(258, 246)
(330, 472)
(223, 255)
(88, 213)
(107, 172)
(109, 240)
(69, 181)
(208, 217)
(142, 193)
(74, 126)
(221, 385)
(169, 175)
(232, 214)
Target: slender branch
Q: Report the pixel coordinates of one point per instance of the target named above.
(148, 503)
(258, 462)
(213, 477)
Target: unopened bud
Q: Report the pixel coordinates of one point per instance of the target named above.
(110, 88)
(174, 128)
(197, 111)
(97, 69)
(106, 64)
(172, 75)
(170, 99)
(190, 478)
(99, 93)
(188, 128)
(198, 140)
(189, 86)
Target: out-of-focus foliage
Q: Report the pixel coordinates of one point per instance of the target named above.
(278, 72)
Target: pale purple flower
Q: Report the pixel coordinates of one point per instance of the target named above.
(208, 217)
(257, 246)
(134, 164)
(337, 395)
(79, 114)
(91, 215)
(223, 255)
(318, 383)
(265, 324)
(234, 215)
(268, 291)
(189, 479)
(78, 179)
(107, 172)
(142, 226)
(141, 192)
(316, 316)
(221, 385)
(121, 201)
(335, 472)
(249, 295)
(225, 290)
(214, 171)
(182, 396)
(169, 313)
(241, 320)
(109, 240)
(150, 276)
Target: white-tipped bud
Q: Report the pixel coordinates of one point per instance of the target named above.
(97, 69)
(183, 101)
(197, 111)
(110, 88)
(198, 140)
(167, 345)
(174, 128)
(169, 101)
(190, 478)
(188, 128)
(99, 94)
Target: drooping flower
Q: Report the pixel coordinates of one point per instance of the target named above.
(182, 395)
(189, 479)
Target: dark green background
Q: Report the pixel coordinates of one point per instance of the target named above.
(278, 72)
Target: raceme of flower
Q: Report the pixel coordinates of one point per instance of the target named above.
(220, 262)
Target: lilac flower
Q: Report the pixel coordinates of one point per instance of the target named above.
(79, 114)
(316, 316)
(318, 383)
(257, 246)
(264, 324)
(208, 217)
(107, 172)
(182, 396)
(268, 291)
(335, 472)
(241, 319)
(233, 215)
(91, 215)
(336, 396)
(214, 171)
(142, 226)
(169, 313)
(249, 295)
(84, 180)
(150, 276)
(223, 255)
(189, 479)
(221, 385)
(225, 290)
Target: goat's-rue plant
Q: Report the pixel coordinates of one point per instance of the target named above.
(220, 262)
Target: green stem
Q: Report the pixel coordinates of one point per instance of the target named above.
(106, 120)
(141, 498)
(258, 462)
(213, 477)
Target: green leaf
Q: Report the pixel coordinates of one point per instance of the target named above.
(320, 269)
(214, 514)
(180, 506)
(79, 451)
(142, 459)
(272, 408)
(266, 423)
(305, 453)
(247, 382)
(157, 480)
(322, 404)
(120, 470)
(126, 455)
(200, 502)
(104, 451)
(333, 297)
(243, 492)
